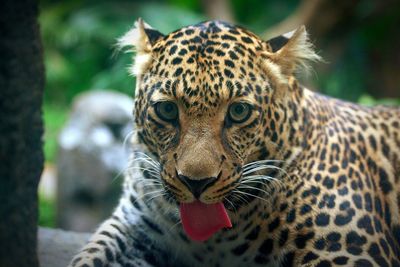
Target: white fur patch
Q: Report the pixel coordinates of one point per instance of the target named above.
(297, 53)
(294, 55)
(141, 63)
(135, 37)
(275, 71)
(289, 35)
(136, 40)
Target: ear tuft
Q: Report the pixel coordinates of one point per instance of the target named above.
(296, 53)
(137, 40)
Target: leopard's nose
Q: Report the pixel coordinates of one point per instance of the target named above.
(197, 186)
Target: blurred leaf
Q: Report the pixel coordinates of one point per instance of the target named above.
(47, 212)
(259, 15)
(188, 5)
(55, 117)
(368, 100)
(168, 18)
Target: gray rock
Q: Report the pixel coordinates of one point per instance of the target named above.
(57, 247)
(93, 152)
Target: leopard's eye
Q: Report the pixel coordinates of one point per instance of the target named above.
(166, 110)
(239, 112)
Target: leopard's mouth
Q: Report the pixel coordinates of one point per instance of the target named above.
(200, 221)
(234, 195)
(210, 191)
(198, 187)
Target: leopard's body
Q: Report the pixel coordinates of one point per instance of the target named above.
(334, 195)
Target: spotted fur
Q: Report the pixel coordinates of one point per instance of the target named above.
(308, 180)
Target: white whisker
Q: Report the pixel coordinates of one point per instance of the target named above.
(230, 203)
(175, 224)
(249, 194)
(156, 196)
(149, 161)
(261, 162)
(260, 177)
(254, 188)
(127, 137)
(155, 172)
(147, 156)
(240, 198)
(263, 167)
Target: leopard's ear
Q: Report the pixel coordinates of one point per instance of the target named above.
(292, 51)
(140, 39)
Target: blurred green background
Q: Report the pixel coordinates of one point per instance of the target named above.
(359, 41)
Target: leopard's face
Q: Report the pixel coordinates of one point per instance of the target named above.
(202, 109)
(202, 97)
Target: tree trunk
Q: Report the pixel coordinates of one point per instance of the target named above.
(21, 129)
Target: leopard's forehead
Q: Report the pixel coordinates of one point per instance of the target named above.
(205, 64)
(202, 38)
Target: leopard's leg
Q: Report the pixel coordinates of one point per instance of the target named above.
(115, 244)
(129, 238)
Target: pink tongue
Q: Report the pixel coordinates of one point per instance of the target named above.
(200, 221)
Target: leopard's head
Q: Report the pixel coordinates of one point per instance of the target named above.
(208, 101)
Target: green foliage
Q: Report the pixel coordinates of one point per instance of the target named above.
(47, 212)
(80, 43)
(368, 100)
(346, 78)
(259, 15)
(55, 117)
(78, 47)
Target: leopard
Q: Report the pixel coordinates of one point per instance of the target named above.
(235, 163)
